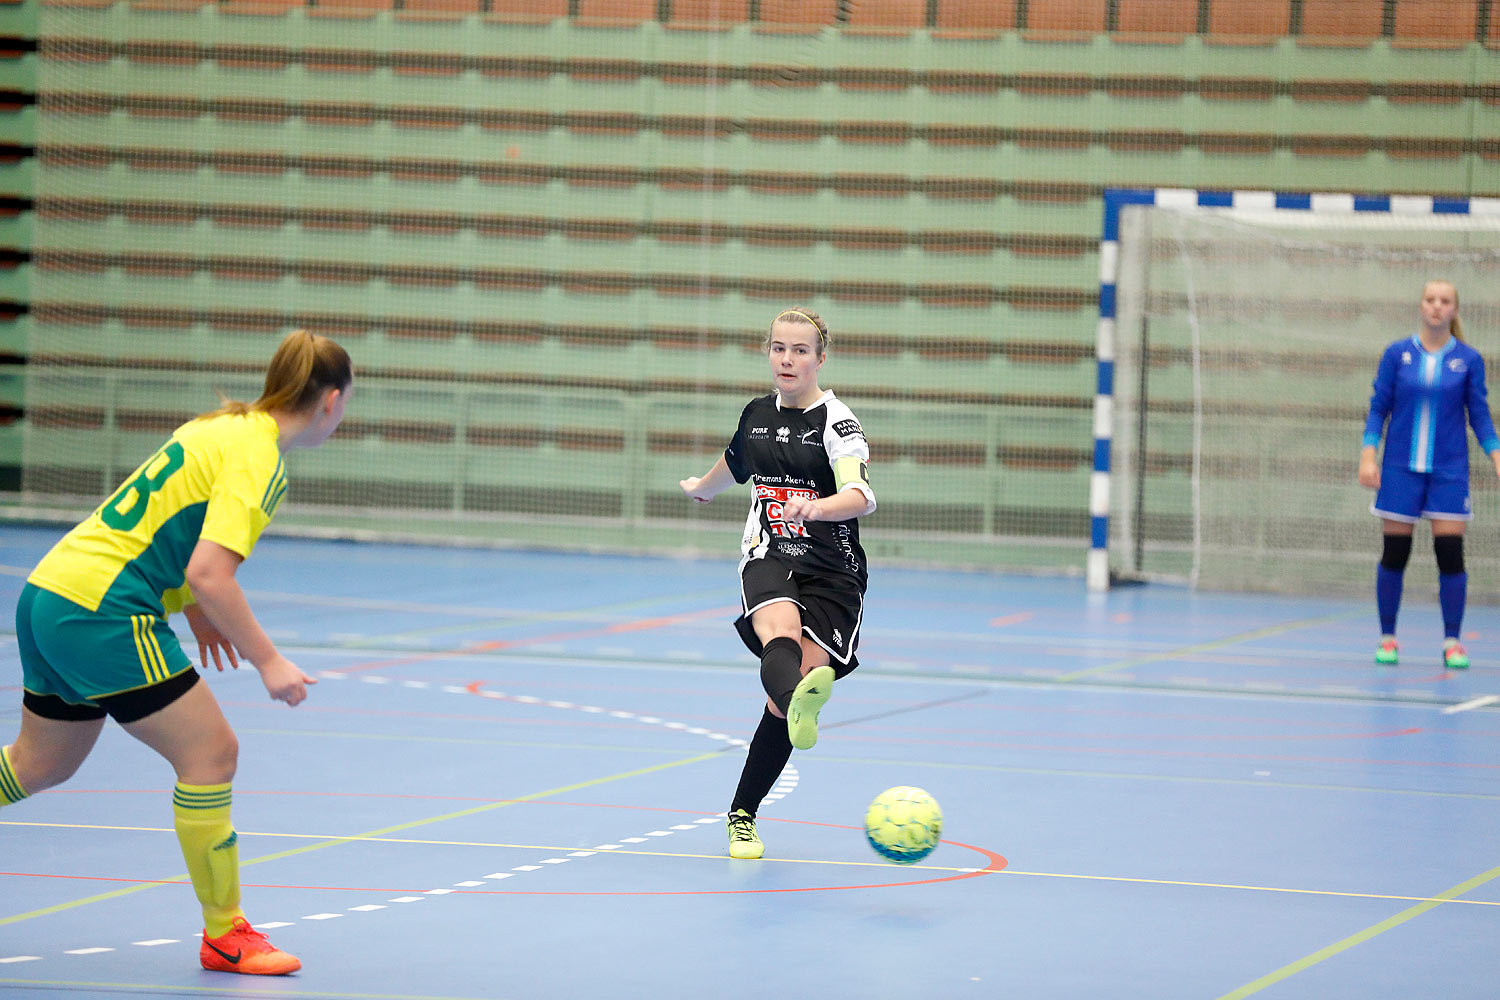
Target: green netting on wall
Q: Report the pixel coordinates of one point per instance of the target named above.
(552, 243)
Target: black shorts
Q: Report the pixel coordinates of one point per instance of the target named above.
(832, 608)
(124, 708)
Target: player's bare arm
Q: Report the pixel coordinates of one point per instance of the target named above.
(210, 573)
(704, 488)
(1369, 468)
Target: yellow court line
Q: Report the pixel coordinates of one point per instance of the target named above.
(819, 862)
(1173, 654)
(491, 844)
(1287, 971)
(1434, 900)
(339, 841)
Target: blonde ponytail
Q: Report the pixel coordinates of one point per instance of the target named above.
(303, 367)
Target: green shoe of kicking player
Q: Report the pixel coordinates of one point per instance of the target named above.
(808, 699)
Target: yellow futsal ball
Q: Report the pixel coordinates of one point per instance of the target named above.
(903, 824)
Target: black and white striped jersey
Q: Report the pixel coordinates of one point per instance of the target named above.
(785, 452)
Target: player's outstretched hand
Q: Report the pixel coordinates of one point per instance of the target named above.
(211, 641)
(284, 680)
(691, 487)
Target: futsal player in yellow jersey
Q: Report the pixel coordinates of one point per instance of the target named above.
(94, 641)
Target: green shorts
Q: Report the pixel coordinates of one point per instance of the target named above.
(78, 655)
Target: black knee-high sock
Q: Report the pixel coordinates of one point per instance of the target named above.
(781, 669)
(1389, 576)
(1453, 582)
(770, 749)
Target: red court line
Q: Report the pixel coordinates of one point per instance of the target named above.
(494, 644)
(1185, 754)
(1247, 737)
(619, 627)
(589, 721)
(997, 863)
(1247, 720)
(395, 795)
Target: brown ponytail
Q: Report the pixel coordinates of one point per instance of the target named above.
(301, 370)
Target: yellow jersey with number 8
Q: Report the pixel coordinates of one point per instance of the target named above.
(218, 478)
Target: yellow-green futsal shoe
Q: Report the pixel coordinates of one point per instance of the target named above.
(808, 699)
(743, 842)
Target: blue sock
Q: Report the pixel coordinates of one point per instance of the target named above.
(1453, 589)
(1388, 598)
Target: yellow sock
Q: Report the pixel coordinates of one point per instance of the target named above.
(210, 847)
(10, 786)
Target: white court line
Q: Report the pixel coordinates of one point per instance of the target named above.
(1480, 702)
(787, 782)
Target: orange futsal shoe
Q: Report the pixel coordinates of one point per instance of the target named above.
(245, 950)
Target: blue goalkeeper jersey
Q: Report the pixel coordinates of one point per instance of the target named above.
(1425, 395)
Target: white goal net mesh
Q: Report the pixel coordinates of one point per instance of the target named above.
(1247, 346)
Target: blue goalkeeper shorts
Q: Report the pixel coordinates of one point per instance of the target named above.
(1410, 496)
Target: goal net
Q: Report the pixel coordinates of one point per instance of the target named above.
(1247, 340)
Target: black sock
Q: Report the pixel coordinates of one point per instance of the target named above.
(770, 749)
(781, 669)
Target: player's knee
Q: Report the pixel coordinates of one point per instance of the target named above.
(37, 772)
(213, 764)
(227, 757)
(813, 655)
(1395, 552)
(1449, 550)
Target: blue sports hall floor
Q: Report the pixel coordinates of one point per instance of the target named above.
(510, 779)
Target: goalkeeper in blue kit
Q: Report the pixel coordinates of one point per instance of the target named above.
(1426, 386)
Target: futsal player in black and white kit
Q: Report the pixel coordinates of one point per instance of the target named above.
(802, 578)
